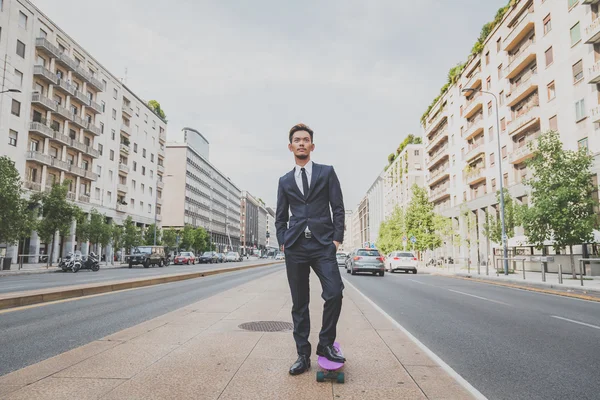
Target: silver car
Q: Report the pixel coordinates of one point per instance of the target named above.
(365, 260)
(341, 258)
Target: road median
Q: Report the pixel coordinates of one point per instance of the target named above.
(30, 297)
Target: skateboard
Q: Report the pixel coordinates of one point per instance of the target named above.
(330, 368)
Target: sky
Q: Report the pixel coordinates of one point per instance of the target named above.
(243, 72)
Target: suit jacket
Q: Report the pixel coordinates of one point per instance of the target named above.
(312, 210)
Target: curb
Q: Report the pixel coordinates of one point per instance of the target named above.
(65, 293)
(529, 287)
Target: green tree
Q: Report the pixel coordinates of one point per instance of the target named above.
(420, 221)
(116, 237)
(15, 211)
(492, 227)
(149, 235)
(562, 207)
(93, 228)
(132, 235)
(392, 231)
(201, 240)
(188, 238)
(169, 238)
(155, 106)
(56, 214)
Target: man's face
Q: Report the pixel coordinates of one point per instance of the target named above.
(301, 145)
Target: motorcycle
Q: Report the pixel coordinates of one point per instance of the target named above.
(76, 261)
(89, 262)
(65, 263)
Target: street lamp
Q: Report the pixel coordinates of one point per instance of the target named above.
(11, 91)
(504, 244)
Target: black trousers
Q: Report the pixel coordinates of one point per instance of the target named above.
(299, 258)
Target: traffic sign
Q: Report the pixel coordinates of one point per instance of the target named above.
(413, 239)
(404, 239)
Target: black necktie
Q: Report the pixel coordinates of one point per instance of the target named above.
(304, 182)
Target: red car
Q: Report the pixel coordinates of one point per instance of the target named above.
(185, 257)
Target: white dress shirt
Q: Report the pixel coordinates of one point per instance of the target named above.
(298, 175)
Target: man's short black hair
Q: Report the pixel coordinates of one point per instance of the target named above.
(301, 127)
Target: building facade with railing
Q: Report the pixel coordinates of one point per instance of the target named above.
(542, 63)
(75, 121)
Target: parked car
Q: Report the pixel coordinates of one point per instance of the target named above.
(365, 260)
(220, 257)
(401, 261)
(341, 258)
(185, 257)
(233, 256)
(147, 256)
(280, 256)
(208, 257)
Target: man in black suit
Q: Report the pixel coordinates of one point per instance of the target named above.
(311, 240)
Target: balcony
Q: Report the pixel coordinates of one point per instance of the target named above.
(66, 61)
(96, 83)
(475, 175)
(126, 129)
(124, 148)
(162, 137)
(529, 118)
(75, 170)
(160, 184)
(592, 32)
(474, 127)
(35, 186)
(438, 156)
(522, 152)
(528, 85)
(123, 168)
(439, 194)
(520, 30)
(122, 188)
(159, 201)
(433, 124)
(161, 152)
(92, 176)
(121, 208)
(517, 62)
(81, 98)
(594, 73)
(40, 128)
(65, 87)
(595, 114)
(44, 45)
(93, 129)
(80, 122)
(81, 73)
(40, 100)
(127, 110)
(60, 164)
(95, 107)
(78, 145)
(473, 105)
(159, 217)
(439, 175)
(62, 138)
(60, 110)
(160, 169)
(437, 139)
(92, 152)
(84, 198)
(474, 81)
(474, 150)
(44, 74)
(38, 157)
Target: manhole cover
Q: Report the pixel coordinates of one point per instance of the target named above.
(267, 326)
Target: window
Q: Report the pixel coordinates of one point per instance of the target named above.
(109, 196)
(100, 148)
(16, 108)
(488, 83)
(493, 184)
(101, 127)
(551, 91)
(112, 155)
(113, 134)
(144, 153)
(149, 208)
(135, 147)
(146, 118)
(12, 138)
(487, 58)
(133, 184)
(553, 123)
(115, 94)
(97, 194)
(151, 174)
(143, 170)
(491, 131)
(502, 97)
(18, 77)
(20, 49)
(137, 111)
(547, 24)
(43, 33)
(492, 159)
(503, 124)
(498, 45)
(505, 179)
(103, 104)
(153, 124)
(578, 71)
(575, 34)
(549, 56)
(22, 20)
(99, 170)
(150, 190)
(134, 166)
(580, 110)
(152, 155)
(142, 205)
(143, 188)
(114, 114)
(500, 71)
(583, 144)
(504, 152)
(489, 107)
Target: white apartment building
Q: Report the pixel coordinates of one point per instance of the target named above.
(543, 64)
(198, 193)
(376, 200)
(271, 234)
(347, 245)
(406, 170)
(74, 120)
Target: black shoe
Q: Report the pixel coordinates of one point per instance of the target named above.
(301, 365)
(330, 353)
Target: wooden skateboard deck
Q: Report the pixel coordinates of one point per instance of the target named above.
(330, 369)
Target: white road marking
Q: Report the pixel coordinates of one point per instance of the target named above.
(576, 322)
(414, 280)
(479, 297)
(462, 381)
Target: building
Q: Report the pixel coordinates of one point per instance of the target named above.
(254, 224)
(348, 244)
(198, 193)
(356, 241)
(401, 175)
(74, 120)
(262, 226)
(363, 233)
(541, 63)
(376, 202)
(271, 230)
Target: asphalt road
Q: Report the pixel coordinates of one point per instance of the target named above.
(55, 279)
(508, 343)
(35, 334)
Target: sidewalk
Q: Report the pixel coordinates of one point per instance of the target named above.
(42, 268)
(199, 352)
(590, 284)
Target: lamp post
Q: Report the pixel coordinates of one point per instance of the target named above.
(504, 238)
